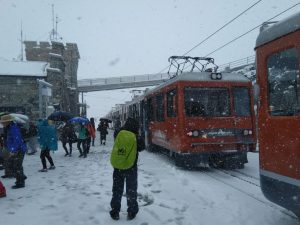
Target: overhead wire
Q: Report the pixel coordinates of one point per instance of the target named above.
(233, 40)
(208, 37)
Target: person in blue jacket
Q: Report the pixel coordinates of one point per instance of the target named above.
(47, 138)
(15, 144)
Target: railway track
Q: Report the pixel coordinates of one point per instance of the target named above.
(218, 174)
(242, 176)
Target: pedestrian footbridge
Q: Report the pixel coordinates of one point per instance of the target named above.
(112, 83)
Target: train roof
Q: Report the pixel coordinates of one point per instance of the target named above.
(201, 76)
(279, 29)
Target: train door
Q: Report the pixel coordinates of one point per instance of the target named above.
(279, 119)
(279, 114)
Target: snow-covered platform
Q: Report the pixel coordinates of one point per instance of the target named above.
(78, 192)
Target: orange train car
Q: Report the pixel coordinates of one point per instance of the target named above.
(277, 58)
(198, 118)
(202, 118)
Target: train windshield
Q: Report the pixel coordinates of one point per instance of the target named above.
(283, 83)
(206, 101)
(241, 101)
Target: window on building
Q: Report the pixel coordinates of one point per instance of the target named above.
(283, 83)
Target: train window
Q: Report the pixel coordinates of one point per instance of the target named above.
(150, 111)
(171, 101)
(206, 101)
(160, 109)
(241, 101)
(283, 83)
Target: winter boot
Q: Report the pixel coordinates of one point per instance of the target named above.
(114, 215)
(131, 216)
(52, 167)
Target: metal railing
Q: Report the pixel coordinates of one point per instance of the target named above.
(238, 63)
(120, 80)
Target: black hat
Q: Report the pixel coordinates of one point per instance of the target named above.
(132, 125)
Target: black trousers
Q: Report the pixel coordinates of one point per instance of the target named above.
(119, 178)
(83, 143)
(17, 165)
(102, 139)
(8, 167)
(65, 147)
(46, 154)
(88, 144)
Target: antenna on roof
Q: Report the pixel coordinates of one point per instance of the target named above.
(54, 36)
(21, 55)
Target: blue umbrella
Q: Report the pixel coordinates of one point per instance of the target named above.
(80, 120)
(60, 116)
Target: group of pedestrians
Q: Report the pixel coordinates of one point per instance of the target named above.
(16, 140)
(124, 155)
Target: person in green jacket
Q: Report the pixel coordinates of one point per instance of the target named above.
(83, 134)
(124, 160)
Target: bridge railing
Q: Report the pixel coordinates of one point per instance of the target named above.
(120, 80)
(237, 63)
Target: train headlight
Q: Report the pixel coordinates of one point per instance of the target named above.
(216, 76)
(213, 76)
(195, 133)
(250, 132)
(190, 134)
(246, 132)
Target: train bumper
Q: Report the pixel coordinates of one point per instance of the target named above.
(282, 193)
(205, 159)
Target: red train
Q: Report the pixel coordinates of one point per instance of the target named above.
(199, 118)
(277, 58)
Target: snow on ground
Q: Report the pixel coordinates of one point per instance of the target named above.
(78, 192)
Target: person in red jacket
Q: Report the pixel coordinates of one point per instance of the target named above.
(91, 135)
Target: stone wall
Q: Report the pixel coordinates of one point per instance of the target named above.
(62, 74)
(16, 91)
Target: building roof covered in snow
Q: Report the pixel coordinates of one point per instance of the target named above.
(23, 68)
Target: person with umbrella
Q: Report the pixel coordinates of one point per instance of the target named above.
(83, 135)
(68, 136)
(14, 143)
(48, 141)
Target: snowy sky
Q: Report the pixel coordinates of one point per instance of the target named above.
(119, 38)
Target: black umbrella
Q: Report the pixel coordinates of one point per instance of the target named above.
(105, 120)
(60, 116)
